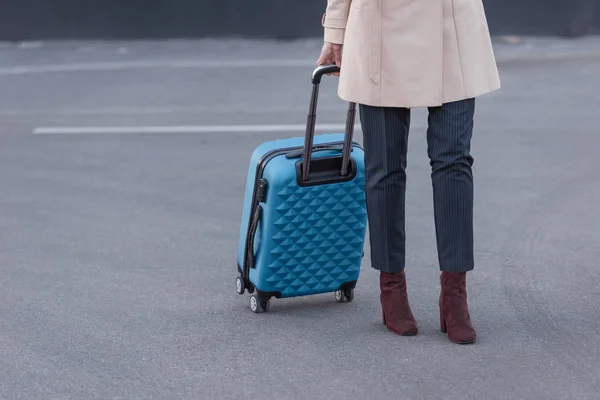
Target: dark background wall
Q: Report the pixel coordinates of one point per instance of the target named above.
(282, 19)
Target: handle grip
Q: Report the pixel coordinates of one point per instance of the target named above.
(323, 70)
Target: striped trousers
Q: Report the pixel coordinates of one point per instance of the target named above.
(385, 140)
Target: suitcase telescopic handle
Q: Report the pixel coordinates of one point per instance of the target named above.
(311, 122)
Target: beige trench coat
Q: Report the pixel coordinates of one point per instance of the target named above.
(411, 53)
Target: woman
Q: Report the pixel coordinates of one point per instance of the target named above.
(397, 55)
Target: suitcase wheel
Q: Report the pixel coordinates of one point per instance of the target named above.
(258, 305)
(344, 295)
(240, 287)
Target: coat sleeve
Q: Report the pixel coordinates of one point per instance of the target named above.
(334, 20)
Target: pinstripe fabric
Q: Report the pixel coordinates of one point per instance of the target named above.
(385, 137)
(385, 140)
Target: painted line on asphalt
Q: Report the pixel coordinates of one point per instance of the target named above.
(119, 130)
(151, 111)
(152, 64)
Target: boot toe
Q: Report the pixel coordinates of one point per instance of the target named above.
(464, 341)
(407, 328)
(411, 331)
(462, 337)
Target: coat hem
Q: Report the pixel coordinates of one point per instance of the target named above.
(408, 104)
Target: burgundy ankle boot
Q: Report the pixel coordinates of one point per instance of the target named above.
(397, 315)
(454, 311)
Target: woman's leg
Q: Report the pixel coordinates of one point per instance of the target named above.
(385, 139)
(449, 145)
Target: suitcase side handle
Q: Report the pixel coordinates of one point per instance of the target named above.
(311, 122)
(251, 260)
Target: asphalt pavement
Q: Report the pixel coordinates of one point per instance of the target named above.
(118, 247)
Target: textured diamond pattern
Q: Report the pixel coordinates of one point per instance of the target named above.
(319, 237)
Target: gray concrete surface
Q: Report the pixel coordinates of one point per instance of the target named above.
(117, 252)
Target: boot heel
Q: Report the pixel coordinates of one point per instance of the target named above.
(443, 326)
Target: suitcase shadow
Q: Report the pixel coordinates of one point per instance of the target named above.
(312, 303)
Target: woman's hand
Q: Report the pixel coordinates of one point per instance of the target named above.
(331, 54)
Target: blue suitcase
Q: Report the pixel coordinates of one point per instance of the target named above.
(304, 216)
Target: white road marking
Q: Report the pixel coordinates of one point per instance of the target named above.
(236, 108)
(110, 130)
(152, 64)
